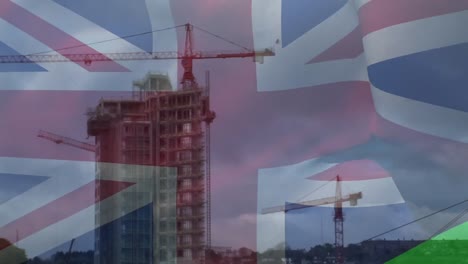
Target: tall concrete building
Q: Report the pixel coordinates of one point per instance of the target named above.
(156, 126)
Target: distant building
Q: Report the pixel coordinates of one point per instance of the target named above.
(380, 251)
(235, 256)
(157, 127)
(223, 251)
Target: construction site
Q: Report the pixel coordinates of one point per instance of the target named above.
(163, 128)
(347, 147)
(157, 125)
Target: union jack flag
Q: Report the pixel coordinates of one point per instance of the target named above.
(48, 193)
(382, 81)
(372, 90)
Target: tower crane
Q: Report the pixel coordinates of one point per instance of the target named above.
(188, 80)
(338, 217)
(187, 56)
(58, 139)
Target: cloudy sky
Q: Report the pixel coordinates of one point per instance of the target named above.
(253, 130)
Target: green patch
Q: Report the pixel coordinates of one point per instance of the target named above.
(448, 247)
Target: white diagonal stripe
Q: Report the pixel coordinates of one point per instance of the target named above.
(61, 182)
(64, 177)
(423, 117)
(60, 74)
(288, 69)
(77, 26)
(415, 36)
(361, 3)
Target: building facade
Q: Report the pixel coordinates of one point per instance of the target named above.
(156, 126)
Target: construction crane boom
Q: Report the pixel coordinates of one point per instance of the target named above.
(66, 141)
(187, 56)
(128, 56)
(352, 198)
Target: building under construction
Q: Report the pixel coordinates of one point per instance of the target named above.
(155, 126)
(161, 128)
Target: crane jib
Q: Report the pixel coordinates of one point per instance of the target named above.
(96, 57)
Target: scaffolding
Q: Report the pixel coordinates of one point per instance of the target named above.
(162, 127)
(180, 143)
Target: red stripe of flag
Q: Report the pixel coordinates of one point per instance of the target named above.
(23, 113)
(347, 48)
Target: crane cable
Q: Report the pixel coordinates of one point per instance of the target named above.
(417, 220)
(108, 40)
(315, 190)
(451, 222)
(222, 38)
(141, 34)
